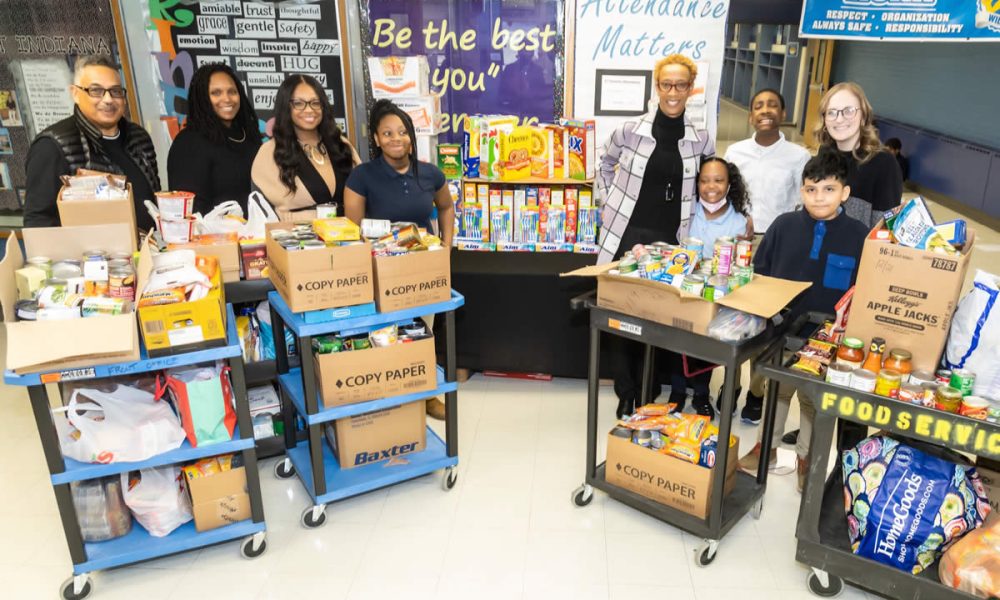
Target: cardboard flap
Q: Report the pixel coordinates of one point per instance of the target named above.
(590, 271)
(12, 261)
(38, 343)
(60, 243)
(765, 297)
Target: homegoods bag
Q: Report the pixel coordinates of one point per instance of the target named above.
(905, 507)
(204, 399)
(974, 339)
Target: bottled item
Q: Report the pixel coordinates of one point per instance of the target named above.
(100, 508)
(873, 362)
(851, 352)
(887, 383)
(948, 399)
(900, 360)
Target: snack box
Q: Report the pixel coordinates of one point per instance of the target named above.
(394, 76)
(581, 150)
(337, 229)
(515, 153)
(449, 160)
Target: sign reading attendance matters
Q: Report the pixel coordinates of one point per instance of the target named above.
(902, 20)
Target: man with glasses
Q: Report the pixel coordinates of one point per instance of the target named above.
(96, 136)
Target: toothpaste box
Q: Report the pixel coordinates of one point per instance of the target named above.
(483, 195)
(570, 200)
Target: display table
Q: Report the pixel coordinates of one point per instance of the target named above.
(515, 316)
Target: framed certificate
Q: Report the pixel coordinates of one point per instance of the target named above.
(621, 92)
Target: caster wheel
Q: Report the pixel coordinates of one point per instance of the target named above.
(834, 585)
(705, 554)
(67, 592)
(310, 522)
(758, 508)
(247, 550)
(283, 469)
(583, 495)
(450, 477)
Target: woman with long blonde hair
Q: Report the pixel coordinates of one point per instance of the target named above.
(847, 124)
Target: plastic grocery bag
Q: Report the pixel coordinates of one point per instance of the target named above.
(204, 399)
(259, 212)
(904, 507)
(157, 499)
(974, 339)
(732, 325)
(972, 564)
(226, 217)
(124, 425)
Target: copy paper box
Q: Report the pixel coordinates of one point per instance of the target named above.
(228, 254)
(580, 143)
(34, 346)
(908, 296)
(666, 479)
(182, 326)
(219, 499)
(663, 303)
(320, 278)
(380, 436)
(373, 373)
(412, 279)
(394, 76)
(98, 212)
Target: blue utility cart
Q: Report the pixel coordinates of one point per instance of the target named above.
(138, 545)
(311, 458)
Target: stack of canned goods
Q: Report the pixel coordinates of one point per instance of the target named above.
(99, 283)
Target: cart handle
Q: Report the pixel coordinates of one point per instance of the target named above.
(585, 300)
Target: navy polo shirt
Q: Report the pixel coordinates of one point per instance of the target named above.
(397, 196)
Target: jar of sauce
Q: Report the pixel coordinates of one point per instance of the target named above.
(851, 352)
(887, 383)
(900, 360)
(948, 399)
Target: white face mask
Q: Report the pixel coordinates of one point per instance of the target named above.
(712, 207)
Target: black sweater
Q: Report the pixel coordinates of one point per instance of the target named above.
(878, 181)
(214, 172)
(825, 253)
(664, 174)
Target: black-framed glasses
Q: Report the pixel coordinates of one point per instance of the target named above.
(96, 91)
(848, 111)
(680, 86)
(300, 105)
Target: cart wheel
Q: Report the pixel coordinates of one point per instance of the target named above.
(583, 495)
(283, 469)
(705, 553)
(247, 547)
(449, 479)
(311, 520)
(833, 586)
(758, 507)
(67, 591)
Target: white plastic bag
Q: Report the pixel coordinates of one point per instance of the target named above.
(226, 217)
(974, 339)
(125, 425)
(259, 212)
(157, 499)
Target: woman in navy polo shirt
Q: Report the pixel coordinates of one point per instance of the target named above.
(396, 186)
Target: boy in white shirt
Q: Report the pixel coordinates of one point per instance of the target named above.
(772, 168)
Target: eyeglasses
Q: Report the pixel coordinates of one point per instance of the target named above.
(300, 105)
(96, 91)
(833, 114)
(680, 86)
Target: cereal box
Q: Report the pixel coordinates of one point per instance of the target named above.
(581, 148)
(542, 163)
(394, 76)
(489, 143)
(515, 154)
(449, 160)
(559, 151)
(470, 145)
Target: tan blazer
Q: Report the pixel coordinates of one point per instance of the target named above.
(266, 177)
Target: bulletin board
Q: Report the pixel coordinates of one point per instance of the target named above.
(263, 42)
(39, 42)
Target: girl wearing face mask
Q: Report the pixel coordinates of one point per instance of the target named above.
(722, 210)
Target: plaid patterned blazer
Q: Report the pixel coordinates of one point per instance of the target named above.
(628, 150)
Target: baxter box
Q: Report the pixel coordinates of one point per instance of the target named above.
(98, 212)
(34, 346)
(361, 375)
(663, 303)
(908, 297)
(219, 499)
(668, 480)
(379, 435)
(412, 279)
(320, 278)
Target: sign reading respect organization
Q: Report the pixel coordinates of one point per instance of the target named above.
(902, 20)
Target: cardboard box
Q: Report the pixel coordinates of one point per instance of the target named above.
(666, 304)
(322, 278)
(449, 160)
(99, 212)
(908, 297)
(184, 326)
(362, 375)
(228, 254)
(412, 279)
(424, 111)
(220, 499)
(380, 436)
(668, 480)
(394, 76)
(34, 346)
(581, 146)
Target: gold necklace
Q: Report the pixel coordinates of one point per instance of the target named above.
(316, 153)
(242, 139)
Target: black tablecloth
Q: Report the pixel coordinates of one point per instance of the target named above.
(517, 316)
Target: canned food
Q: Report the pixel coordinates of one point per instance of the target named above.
(911, 393)
(930, 393)
(628, 266)
(943, 376)
(974, 407)
(963, 380)
(53, 293)
(93, 307)
(312, 244)
(67, 269)
(948, 399)
(993, 412)
(120, 256)
(922, 377)
(721, 284)
(887, 383)
(745, 274)
(95, 255)
(694, 245)
(121, 283)
(863, 380)
(735, 282)
(26, 310)
(290, 245)
(722, 258)
(840, 374)
(693, 284)
(744, 254)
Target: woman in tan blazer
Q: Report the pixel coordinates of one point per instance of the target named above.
(308, 160)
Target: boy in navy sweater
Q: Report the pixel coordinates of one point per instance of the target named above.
(819, 244)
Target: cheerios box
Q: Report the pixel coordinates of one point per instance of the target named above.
(581, 151)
